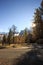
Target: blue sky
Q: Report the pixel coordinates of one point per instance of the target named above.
(17, 12)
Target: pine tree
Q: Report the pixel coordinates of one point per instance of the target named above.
(41, 13)
(9, 39)
(38, 21)
(41, 8)
(4, 40)
(25, 33)
(14, 31)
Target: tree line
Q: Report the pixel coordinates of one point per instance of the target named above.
(22, 37)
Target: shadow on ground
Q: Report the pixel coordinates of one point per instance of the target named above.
(30, 58)
(2, 47)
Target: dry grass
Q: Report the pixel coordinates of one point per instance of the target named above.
(13, 45)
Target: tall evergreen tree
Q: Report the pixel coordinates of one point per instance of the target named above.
(4, 40)
(41, 13)
(41, 8)
(25, 33)
(14, 31)
(38, 21)
(10, 37)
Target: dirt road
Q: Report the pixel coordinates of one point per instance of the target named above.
(8, 55)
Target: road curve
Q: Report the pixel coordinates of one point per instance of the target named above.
(13, 52)
(12, 55)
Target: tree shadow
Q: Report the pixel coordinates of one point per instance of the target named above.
(30, 58)
(2, 47)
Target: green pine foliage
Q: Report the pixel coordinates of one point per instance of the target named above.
(38, 21)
